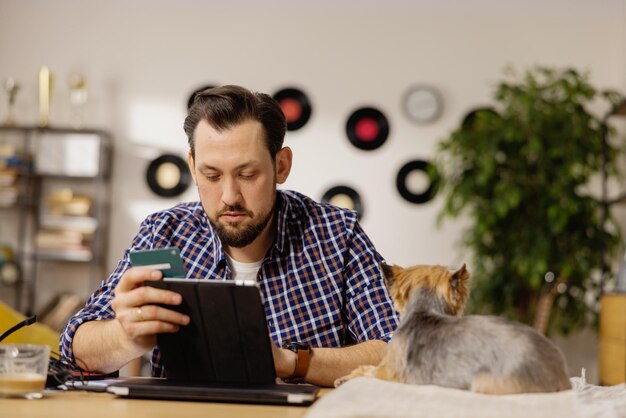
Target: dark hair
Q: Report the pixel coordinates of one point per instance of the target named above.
(227, 106)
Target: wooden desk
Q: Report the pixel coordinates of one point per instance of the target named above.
(103, 405)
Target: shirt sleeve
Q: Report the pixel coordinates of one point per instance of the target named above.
(369, 309)
(98, 306)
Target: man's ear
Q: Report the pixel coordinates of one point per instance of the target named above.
(192, 167)
(283, 164)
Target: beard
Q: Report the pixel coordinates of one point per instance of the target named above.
(239, 236)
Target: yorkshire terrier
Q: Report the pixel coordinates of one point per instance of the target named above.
(435, 345)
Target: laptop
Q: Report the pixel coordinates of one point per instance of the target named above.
(223, 355)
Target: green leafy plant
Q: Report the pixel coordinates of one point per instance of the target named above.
(520, 172)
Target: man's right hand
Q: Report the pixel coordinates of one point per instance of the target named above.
(136, 309)
(107, 345)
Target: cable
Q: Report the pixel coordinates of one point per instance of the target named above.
(27, 321)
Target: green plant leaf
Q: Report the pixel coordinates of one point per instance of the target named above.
(517, 170)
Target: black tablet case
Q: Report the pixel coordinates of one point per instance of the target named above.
(223, 355)
(226, 340)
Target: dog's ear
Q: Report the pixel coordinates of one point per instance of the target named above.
(458, 277)
(389, 276)
(460, 291)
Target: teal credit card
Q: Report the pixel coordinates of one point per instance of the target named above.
(168, 260)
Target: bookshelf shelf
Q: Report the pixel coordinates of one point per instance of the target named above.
(76, 256)
(56, 184)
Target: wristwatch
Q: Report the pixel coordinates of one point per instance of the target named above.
(304, 353)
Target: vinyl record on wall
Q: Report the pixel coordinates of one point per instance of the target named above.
(418, 181)
(344, 197)
(192, 96)
(473, 116)
(295, 106)
(168, 175)
(367, 128)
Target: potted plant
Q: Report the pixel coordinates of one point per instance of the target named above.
(521, 172)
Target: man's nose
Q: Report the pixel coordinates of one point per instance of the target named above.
(231, 193)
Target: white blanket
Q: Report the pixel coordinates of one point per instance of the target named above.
(373, 398)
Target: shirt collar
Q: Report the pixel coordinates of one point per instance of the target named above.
(282, 221)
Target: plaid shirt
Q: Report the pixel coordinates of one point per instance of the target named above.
(320, 281)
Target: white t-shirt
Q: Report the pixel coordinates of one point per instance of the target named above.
(244, 271)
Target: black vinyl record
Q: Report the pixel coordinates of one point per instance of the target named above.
(295, 106)
(418, 196)
(344, 197)
(367, 128)
(168, 175)
(470, 120)
(192, 96)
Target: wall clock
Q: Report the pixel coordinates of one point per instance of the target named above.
(422, 104)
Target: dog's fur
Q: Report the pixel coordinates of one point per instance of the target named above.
(435, 345)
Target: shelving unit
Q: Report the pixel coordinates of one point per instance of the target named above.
(61, 213)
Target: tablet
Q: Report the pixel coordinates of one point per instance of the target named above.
(226, 341)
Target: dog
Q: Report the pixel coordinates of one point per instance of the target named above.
(435, 345)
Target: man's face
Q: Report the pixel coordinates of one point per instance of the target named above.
(236, 180)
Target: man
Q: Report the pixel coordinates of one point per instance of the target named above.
(318, 272)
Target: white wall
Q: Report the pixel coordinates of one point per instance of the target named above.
(142, 58)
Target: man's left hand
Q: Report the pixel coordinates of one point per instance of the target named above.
(284, 361)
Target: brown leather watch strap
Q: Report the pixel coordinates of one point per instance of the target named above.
(303, 358)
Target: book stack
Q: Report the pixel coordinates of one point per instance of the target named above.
(66, 227)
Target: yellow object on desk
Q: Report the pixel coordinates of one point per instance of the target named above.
(32, 334)
(613, 338)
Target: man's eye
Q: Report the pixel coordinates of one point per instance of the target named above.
(212, 177)
(246, 176)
